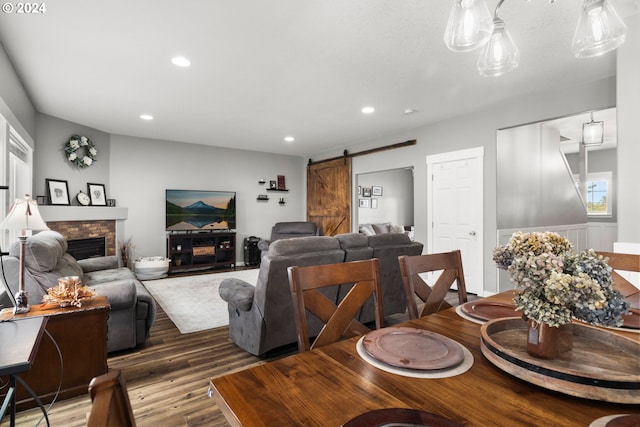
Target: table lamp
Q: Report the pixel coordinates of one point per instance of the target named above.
(23, 216)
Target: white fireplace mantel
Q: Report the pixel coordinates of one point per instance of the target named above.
(82, 213)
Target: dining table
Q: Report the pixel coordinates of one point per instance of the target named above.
(333, 384)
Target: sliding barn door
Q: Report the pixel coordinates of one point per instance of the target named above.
(329, 196)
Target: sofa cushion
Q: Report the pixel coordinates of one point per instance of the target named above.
(102, 276)
(366, 229)
(388, 239)
(394, 228)
(381, 228)
(352, 240)
(299, 227)
(121, 293)
(300, 245)
(42, 250)
(98, 263)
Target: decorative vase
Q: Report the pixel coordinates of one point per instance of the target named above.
(548, 342)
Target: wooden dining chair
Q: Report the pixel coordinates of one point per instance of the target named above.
(433, 296)
(110, 401)
(339, 320)
(624, 262)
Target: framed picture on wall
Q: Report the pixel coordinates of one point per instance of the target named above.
(366, 192)
(364, 203)
(376, 191)
(97, 194)
(359, 190)
(58, 191)
(374, 203)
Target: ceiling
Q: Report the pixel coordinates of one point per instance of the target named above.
(265, 70)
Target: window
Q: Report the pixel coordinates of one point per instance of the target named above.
(599, 193)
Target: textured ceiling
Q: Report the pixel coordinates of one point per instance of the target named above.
(264, 70)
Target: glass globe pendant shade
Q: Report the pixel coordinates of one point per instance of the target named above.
(592, 133)
(500, 55)
(600, 29)
(470, 25)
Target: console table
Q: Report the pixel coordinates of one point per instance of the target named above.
(81, 335)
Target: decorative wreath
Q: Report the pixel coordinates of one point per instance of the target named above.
(86, 156)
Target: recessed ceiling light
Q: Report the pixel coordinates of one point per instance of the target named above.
(289, 138)
(368, 110)
(146, 116)
(408, 111)
(181, 61)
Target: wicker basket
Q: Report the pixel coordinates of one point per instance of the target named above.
(204, 250)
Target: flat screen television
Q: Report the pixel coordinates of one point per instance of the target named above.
(193, 210)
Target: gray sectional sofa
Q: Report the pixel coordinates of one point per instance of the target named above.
(132, 307)
(261, 316)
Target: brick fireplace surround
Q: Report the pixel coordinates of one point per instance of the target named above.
(80, 222)
(72, 230)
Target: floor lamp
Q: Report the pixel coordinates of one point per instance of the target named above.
(25, 217)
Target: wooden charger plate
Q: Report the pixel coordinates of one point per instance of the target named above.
(400, 417)
(413, 348)
(487, 310)
(602, 365)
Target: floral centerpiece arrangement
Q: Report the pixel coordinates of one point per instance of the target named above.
(555, 284)
(69, 291)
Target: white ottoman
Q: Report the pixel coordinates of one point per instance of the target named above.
(149, 268)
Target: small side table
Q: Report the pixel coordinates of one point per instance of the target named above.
(20, 341)
(81, 335)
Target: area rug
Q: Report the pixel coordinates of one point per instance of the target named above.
(192, 302)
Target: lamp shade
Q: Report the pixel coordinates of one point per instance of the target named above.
(24, 215)
(599, 30)
(500, 55)
(469, 26)
(592, 133)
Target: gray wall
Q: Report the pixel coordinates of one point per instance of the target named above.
(141, 170)
(137, 171)
(534, 187)
(50, 160)
(628, 70)
(474, 130)
(15, 104)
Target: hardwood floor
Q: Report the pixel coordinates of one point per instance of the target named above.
(167, 379)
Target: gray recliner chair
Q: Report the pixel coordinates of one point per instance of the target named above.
(132, 307)
(288, 230)
(261, 316)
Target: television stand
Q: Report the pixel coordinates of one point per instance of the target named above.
(202, 250)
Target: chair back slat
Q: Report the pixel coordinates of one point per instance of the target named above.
(433, 297)
(340, 320)
(624, 262)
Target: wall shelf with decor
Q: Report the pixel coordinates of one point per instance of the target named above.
(196, 251)
(276, 189)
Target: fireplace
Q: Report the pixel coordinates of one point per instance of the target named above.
(87, 230)
(87, 248)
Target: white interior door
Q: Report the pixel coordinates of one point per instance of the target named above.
(455, 209)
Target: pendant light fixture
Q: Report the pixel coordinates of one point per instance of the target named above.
(600, 29)
(500, 54)
(469, 26)
(592, 133)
